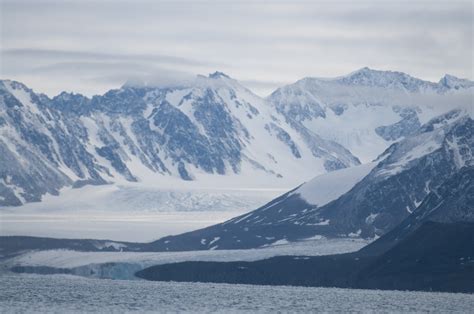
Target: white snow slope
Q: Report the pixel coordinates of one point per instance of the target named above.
(330, 186)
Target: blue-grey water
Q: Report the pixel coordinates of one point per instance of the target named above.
(65, 294)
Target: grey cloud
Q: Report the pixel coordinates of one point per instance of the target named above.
(95, 67)
(96, 56)
(159, 77)
(261, 42)
(118, 73)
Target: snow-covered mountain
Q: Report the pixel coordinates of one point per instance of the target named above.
(212, 130)
(368, 110)
(363, 201)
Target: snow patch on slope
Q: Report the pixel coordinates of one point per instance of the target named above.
(328, 187)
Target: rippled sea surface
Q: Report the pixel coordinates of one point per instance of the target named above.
(61, 293)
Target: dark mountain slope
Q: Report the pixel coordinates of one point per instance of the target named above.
(437, 256)
(453, 201)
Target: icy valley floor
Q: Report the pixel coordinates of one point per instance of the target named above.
(129, 212)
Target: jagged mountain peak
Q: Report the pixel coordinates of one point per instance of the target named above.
(368, 77)
(453, 82)
(366, 71)
(18, 95)
(218, 74)
(385, 79)
(66, 96)
(220, 80)
(70, 102)
(15, 85)
(362, 76)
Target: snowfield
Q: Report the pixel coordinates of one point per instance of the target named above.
(131, 212)
(61, 293)
(122, 226)
(143, 198)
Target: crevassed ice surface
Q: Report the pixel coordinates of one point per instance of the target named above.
(129, 212)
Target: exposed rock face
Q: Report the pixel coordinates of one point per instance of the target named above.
(405, 127)
(452, 202)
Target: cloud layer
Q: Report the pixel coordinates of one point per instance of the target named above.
(92, 46)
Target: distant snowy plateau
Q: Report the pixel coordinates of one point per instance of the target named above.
(208, 150)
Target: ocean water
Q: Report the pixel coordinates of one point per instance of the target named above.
(65, 294)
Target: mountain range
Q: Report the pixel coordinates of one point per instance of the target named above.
(212, 129)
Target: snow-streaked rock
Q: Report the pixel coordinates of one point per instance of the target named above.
(200, 131)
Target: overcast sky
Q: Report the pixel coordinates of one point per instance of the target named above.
(92, 46)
